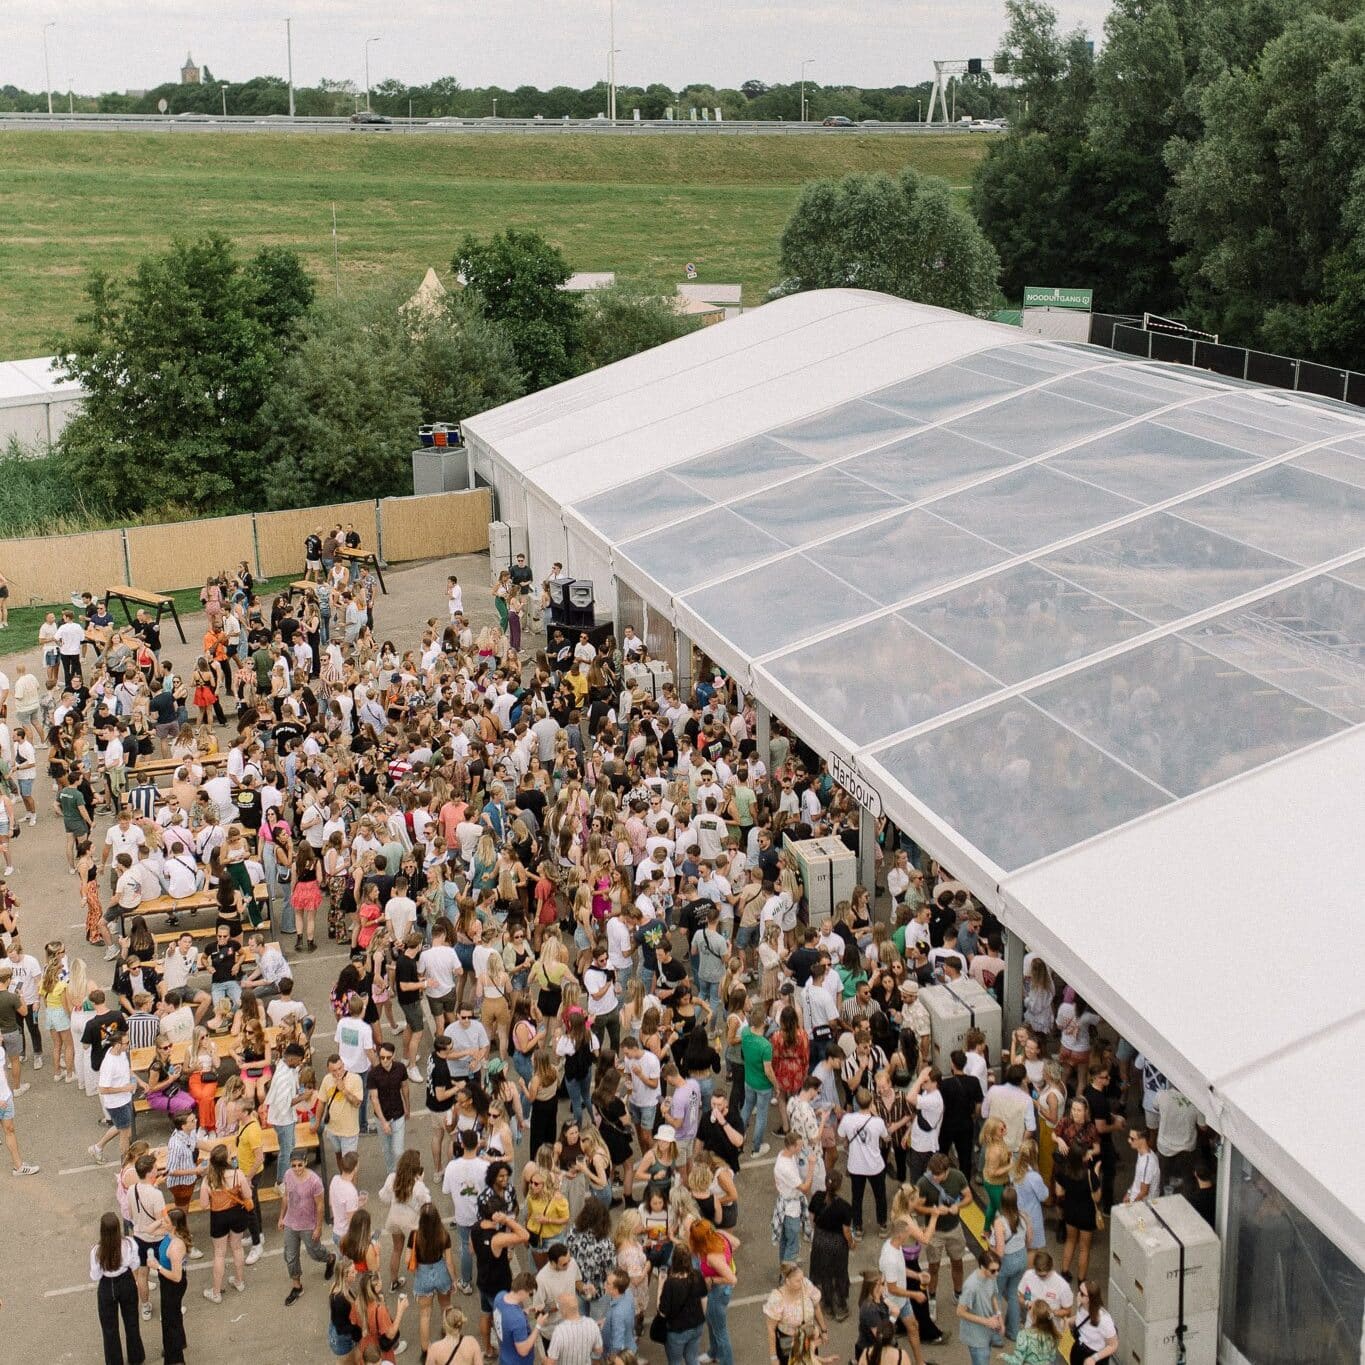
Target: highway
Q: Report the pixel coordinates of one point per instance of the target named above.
(282, 123)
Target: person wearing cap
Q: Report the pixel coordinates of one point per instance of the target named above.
(916, 1039)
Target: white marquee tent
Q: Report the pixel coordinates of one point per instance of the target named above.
(35, 401)
(1093, 627)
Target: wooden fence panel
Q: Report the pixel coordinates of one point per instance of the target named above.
(436, 524)
(44, 569)
(181, 554)
(280, 534)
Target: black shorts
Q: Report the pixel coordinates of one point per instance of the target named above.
(413, 1016)
(146, 1251)
(224, 1221)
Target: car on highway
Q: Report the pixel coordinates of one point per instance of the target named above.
(369, 117)
(838, 121)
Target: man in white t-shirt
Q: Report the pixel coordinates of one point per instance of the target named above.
(924, 1098)
(1146, 1182)
(465, 1178)
(355, 1047)
(1043, 1282)
(864, 1132)
(439, 966)
(643, 1071)
(400, 911)
(599, 983)
(1177, 1133)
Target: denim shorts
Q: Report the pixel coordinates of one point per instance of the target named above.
(431, 1278)
(7, 1111)
(121, 1116)
(341, 1345)
(644, 1116)
(56, 1018)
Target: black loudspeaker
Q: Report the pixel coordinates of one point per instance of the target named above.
(559, 592)
(580, 593)
(581, 618)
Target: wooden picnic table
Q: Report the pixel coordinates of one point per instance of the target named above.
(141, 1058)
(301, 587)
(154, 600)
(364, 557)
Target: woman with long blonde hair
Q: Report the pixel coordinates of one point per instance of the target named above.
(406, 1194)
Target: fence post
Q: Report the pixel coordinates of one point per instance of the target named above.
(379, 528)
(256, 546)
(1246, 362)
(1297, 364)
(1149, 344)
(127, 559)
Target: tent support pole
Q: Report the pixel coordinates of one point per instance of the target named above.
(867, 851)
(684, 667)
(1014, 983)
(763, 731)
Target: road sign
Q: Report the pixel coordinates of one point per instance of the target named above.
(862, 791)
(1052, 296)
(691, 271)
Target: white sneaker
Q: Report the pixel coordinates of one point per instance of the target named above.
(111, 952)
(196, 1254)
(28, 1168)
(20, 1090)
(415, 1076)
(9, 871)
(33, 819)
(763, 1150)
(97, 1152)
(254, 1254)
(400, 1348)
(213, 1296)
(38, 1063)
(146, 1312)
(70, 1076)
(59, 1075)
(238, 1285)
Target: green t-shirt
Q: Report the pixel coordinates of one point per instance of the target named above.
(9, 1012)
(932, 1191)
(755, 1049)
(72, 805)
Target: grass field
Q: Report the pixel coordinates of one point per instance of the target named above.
(643, 207)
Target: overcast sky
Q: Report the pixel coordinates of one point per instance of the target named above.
(121, 44)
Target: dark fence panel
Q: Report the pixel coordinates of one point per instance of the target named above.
(1177, 349)
(1229, 361)
(1355, 390)
(1321, 379)
(1131, 340)
(1275, 370)
(1102, 327)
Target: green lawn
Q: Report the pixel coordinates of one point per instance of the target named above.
(642, 206)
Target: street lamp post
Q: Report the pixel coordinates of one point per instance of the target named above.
(47, 71)
(808, 62)
(495, 106)
(919, 109)
(223, 89)
(289, 57)
(611, 61)
(368, 41)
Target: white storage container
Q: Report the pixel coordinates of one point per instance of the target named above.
(662, 675)
(1145, 1258)
(499, 547)
(829, 872)
(1156, 1343)
(954, 1010)
(1119, 1309)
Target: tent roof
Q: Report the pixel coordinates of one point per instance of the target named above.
(23, 382)
(1066, 610)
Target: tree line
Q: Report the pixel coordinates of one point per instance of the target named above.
(1208, 163)
(263, 96)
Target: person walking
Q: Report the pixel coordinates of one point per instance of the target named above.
(17, 1162)
(301, 1219)
(865, 1132)
(715, 1254)
(979, 1309)
(682, 1306)
(113, 1260)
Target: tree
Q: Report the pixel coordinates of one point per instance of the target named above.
(460, 363)
(176, 363)
(515, 277)
(1269, 203)
(623, 320)
(904, 237)
(342, 416)
(752, 89)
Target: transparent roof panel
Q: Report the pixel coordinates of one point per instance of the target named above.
(1333, 463)
(1182, 717)
(1033, 362)
(1353, 445)
(1287, 512)
(927, 464)
(1240, 422)
(778, 605)
(740, 469)
(1275, 411)
(1151, 462)
(1033, 423)
(1119, 394)
(844, 430)
(905, 555)
(1023, 621)
(879, 678)
(1162, 568)
(819, 504)
(986, 774)
(638, 506)
(1308, 640)
(944, 392)
(1353, 572)
(1031, 507)
(696, 551)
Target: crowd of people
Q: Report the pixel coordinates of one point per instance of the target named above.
(574, 939)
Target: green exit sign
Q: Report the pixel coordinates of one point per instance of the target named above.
(1052, 296)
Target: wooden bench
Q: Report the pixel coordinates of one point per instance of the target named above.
(142, 1057)
(208, 931)
(168, 905)
(152, 600)
(364, 557)
(301, 587)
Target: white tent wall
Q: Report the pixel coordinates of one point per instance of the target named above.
(584, 560)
